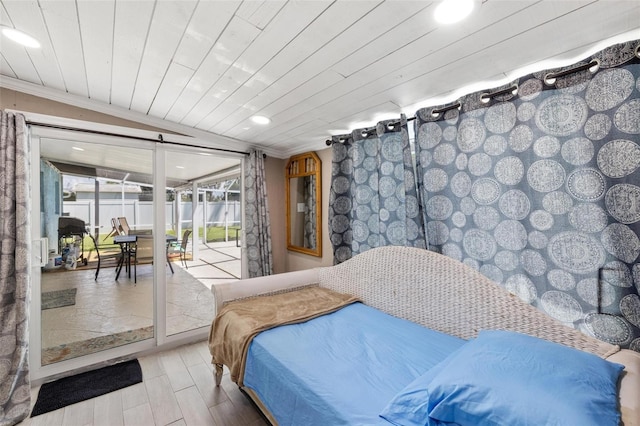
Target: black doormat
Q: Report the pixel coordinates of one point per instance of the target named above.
(69, 390)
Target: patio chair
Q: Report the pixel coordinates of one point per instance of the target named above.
(181, 248)
(143, 251)
(123, 226)
(106, 253)
(115, 229)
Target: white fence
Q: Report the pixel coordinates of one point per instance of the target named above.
(140, 213)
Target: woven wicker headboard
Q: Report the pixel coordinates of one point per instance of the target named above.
(446, 295)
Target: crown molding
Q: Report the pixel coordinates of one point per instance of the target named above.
(305, 147)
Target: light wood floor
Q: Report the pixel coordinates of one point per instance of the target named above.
(177, 389)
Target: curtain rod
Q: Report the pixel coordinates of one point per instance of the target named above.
(549, 79)
(456, 105)
(119, 135)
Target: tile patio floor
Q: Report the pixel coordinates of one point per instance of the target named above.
(105, 307)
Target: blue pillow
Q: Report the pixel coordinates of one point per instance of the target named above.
(507, 378)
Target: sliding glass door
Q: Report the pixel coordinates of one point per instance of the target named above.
(96, 206)
(204, 219)
(113, 273)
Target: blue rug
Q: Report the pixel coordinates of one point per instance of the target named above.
(69, 390)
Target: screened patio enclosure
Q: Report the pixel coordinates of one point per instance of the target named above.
(116, 296)
(115, 192)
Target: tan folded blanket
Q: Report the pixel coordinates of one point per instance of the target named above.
(240, 321)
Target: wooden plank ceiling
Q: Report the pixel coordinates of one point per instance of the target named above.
(315, 67)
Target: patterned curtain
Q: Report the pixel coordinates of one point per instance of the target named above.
(540, 190)
(373, 199)
(257, 228)
(15, 236)
(310, 212)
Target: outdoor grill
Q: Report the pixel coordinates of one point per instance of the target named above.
(72, 228)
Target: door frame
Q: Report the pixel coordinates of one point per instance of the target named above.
(83, 131)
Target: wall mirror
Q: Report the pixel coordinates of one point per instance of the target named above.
(304, 204)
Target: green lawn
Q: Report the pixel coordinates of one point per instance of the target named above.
(214, 234)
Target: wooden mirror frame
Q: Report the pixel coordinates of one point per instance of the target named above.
(300, 166)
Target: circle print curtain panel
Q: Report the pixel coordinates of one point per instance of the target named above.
(537, 185)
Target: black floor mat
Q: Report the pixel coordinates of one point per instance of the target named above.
(69, 390)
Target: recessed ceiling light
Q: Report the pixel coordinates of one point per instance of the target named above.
(451, 11)
(20, 37)
(260, 119)
(179, 167)
(77, 148)
(206, 154)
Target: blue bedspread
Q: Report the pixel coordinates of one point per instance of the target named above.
(341, 368)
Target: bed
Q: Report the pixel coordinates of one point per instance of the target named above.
(406, 336)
